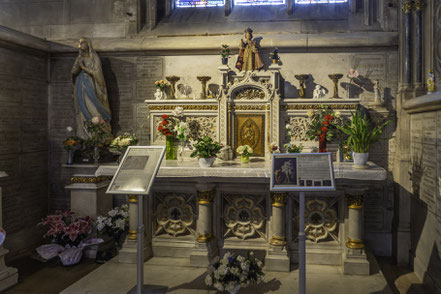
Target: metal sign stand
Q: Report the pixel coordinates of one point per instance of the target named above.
(302, 251)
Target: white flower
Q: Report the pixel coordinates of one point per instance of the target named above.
(243, 277)
(243, 285)
(216, 275)
(337, 114)
(230, 286)
(95, 120)
(69, 129)
(112, 213)
(210, 269)
(288, 126)
(240, 258)
(310, 113)
(234, 271)
(245, 266)
(208, 280)
(227, 255)
(259, 264)
(120, 223)
(223, 270)
(219, 286)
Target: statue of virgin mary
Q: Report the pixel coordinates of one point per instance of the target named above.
(90, 92)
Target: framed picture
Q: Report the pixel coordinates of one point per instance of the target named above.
(302, 172)
(137, 170)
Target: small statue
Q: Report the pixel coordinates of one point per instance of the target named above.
(159, 95)
(431, 83)
(377, 92)
(248, 59)
(318, 92)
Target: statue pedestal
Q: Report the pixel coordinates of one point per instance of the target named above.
(8, 275)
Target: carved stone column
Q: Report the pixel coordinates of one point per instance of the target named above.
(128, 252)
(205, 247)
(407, 62)
(277, 258)
(418, 7)
(355, 261)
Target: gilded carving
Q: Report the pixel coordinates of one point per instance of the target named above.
(250, 130)
(133, 199)
(174, 216)
(204, 238)
(250, 93)
(278, 241)
(279, 199)
(205, 197)
(243, 217)
(88, 180)
(355, 201)
(418, 5)
(185, 107)
(407, 7)
(317, 106)
(354, 244)
(250, 107)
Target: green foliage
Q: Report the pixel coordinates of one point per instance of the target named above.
(292, 148)
(361, 134)
(206, 147)
(225, 52)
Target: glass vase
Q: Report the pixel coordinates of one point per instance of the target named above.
(244, 158)
(70, 155)
(96, 154)
(322, 146)
(171, 152)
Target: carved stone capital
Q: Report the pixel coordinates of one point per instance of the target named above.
(354, 244)
(204, 238)
(279, 199)
(278, 241)
(205, 197)
(355, 201)
(418, 5)
(407, 7)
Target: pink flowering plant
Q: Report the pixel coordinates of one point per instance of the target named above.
(66, 229)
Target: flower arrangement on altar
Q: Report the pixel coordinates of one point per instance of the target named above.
(162, 85)
(98, 130)
(245, 152)
(72, 143)
(293, 148)
(173, 127)
(322, 125)
(66, 229)
(274, 148)
(114, 222)
(206, 148)
(122, 142)
(233, 272)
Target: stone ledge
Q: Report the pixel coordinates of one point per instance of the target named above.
(428, 102)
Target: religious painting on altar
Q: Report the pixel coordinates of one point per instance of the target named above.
(249, 129)
(302, 172)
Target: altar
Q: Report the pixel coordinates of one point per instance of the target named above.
(199, 213)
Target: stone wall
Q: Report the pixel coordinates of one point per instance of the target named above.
(23, 143)
(61, 19)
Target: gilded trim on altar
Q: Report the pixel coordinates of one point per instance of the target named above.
(185, 107)
(318, 106)
(250, 130)
(250, 107)
(88, 180)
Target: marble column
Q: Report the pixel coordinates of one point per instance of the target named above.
(407, 58)
(8, 275)
(277, 258)
(355, 260)
(205, 247)
(127, 254)
(418, 6)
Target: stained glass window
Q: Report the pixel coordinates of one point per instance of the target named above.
(259, 2)
(319, 1)
(199, 3)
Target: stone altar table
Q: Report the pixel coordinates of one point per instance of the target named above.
(202, 212)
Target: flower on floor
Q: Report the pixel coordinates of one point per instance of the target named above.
(234, 270)
(115, 222)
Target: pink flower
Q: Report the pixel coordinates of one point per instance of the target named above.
(353, 73)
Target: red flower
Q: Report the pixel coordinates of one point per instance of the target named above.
(164, 116)
(164, 122)
(160, 128)
(168, 134)
(316, 133)
(323, 129)
(326, 123)
(328, 117)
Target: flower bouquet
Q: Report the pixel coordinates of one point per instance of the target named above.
(162, 85)
(71, 144)
(322, 125)
(274, 148)
(232, 272)
(293, 148)
(206, 149)
(114, 223)
(120, 144)
(173, 127)
(245, 152)
(100, 136)
(69, 235)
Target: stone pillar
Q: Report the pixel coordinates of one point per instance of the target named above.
(355, 260)
(8, 275)
(88, 195)
(418, 6)
(127, 254)
(277, 258)
(205, 247)
(407, 60)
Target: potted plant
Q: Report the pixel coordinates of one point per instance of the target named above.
(206, 149)
(293, 148)
(274, 56)
(234, 272)
(225, 53)
(114, 223)
(361, 136)
(245, 151)
(322, 125)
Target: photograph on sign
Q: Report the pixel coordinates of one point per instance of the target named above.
(302, 172)
(137, 170)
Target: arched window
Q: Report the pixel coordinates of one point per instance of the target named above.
(199, 3)
(258, 2)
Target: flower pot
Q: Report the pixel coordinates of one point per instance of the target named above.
(206, 162)
(224, 60)
(275, 61)
(244, 158)
(171, 153)
(71, 256)
(360, 160)
(70, 155)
